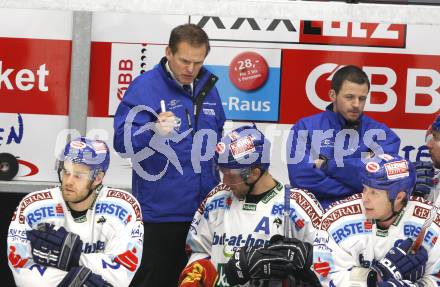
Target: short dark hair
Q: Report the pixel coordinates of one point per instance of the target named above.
(349, 73)
(189, 33)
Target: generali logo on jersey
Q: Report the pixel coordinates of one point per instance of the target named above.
(353, 34)
(34, 76)
(404, 93)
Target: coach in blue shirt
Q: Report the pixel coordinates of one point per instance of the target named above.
(168, 123)
(325, 150)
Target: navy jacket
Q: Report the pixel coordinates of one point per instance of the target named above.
(339, 177)
(166, 195)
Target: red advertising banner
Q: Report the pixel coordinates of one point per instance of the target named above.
(405, 89)
(353, 34)
(34, 76)
(99, 86)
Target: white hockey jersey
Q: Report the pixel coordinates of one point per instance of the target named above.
(347, 242)
(223, 223)
(112, 236)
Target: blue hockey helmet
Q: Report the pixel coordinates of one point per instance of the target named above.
(93, 153)
(244, 147)
(435, 126)
(387, 172)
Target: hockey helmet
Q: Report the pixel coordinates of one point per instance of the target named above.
(92, 153)
(242, 148)
(387, 172)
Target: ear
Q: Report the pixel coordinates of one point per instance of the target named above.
(255, 172)
(332, 95)
(168, 53)
(400, 196)
(98, 179)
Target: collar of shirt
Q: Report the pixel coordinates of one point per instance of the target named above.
(167, 66)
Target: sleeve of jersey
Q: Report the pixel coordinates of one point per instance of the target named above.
(302, 172)
(199, 237)
(305, 215)
(132, 116)
(335, 266)
(432, 272)
(123, 252)
(25, 271)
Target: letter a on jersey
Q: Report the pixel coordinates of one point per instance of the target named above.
(263, 225)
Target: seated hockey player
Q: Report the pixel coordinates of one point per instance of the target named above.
(232, 234)
(428, 172)
(81, 233)
(371, 239)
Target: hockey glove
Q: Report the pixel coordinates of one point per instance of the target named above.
(55, 248)
(257, 263)
(198, 273)
(398, 283)
(425, 178)
(299, 253)
(83, 276)
(398, 265)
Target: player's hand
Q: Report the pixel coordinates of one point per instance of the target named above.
(425, 178)
(166, 121)
(55, 248)
(83, 276)
(398, 283)
(399, 265)
(276, 262)
(198, 273)
(299, 253)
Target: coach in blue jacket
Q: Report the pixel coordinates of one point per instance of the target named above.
(168, 123)
(326, 150)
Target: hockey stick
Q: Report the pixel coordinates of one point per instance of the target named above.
(287, 225)
(419, 239)
(290, 280)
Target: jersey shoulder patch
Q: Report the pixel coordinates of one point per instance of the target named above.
(303, 201)
(340, 212)
(216, 191)
(347, 199)
(119, 194)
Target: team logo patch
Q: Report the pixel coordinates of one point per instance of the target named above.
(220, 148)
(209, 112)
(386, 157)
(99, 147)
(234, 135)
(322, 267)
(372, 167)
(242, 147)
(397, 169)
(78, 145)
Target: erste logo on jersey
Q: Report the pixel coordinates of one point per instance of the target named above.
(31, 199)
(128, 198)
(113, 209)
(412, 229)
(349, 229)
(220, 202)
(43, 212)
